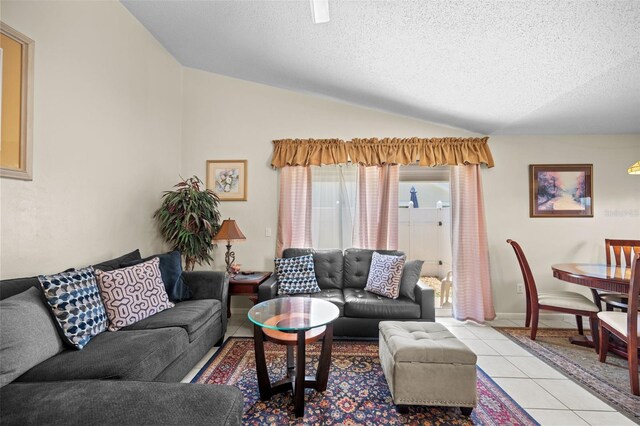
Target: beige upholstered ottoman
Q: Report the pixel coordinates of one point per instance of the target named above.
(427, 365)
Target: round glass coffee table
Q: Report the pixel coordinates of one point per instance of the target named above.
(293, 321)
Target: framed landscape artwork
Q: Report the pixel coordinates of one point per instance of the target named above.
(228, 179)
(561, 190)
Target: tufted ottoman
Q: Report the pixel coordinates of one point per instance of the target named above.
(425, 364)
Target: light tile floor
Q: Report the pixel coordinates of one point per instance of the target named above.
(546, 394)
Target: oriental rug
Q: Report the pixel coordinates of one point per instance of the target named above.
(357, 393)
(608, 381)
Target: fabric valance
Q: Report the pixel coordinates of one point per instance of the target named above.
(370, 152)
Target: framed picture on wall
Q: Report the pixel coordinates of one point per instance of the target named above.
(16, 74)
(228, 179)
(561, 190)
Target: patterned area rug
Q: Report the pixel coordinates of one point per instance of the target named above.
(609, 381)
(357, 392)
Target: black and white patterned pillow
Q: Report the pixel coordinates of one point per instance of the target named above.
(74, 299)
(384, 275)
(296, 275)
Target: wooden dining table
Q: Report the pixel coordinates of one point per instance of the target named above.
(613, 278)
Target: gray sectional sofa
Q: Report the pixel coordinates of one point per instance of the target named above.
(128, 376)
(342, 278)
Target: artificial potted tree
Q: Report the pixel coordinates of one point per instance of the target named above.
(188, 219)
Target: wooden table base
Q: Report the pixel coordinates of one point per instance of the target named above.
(295, 380)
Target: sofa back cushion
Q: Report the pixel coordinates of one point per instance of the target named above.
(357, 263)
(327, 263)
(14, 286)
(28, 335)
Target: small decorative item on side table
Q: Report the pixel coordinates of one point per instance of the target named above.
(229, 231)
(245, 284)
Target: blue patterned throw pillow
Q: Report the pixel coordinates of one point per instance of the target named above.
(296, 275)
(384, 275)
(74, 299)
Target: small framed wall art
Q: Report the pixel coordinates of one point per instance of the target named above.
(561, 190)
(228, 179)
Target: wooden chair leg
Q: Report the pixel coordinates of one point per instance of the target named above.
(632, 357)
(579, 323)
(604, 344)
(527, 318)
(593, 324)
(534, 324)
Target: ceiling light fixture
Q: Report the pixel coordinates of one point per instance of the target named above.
(320, 11)
(634, 169)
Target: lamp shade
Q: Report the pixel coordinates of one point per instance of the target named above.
(634, 169)
(229, 231)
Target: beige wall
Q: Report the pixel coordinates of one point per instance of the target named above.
(230, 119)
(546, 241)
(225, 118)
(106, 138)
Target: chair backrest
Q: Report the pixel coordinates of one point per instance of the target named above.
(529, 281)
(632, 311)
(622, 249)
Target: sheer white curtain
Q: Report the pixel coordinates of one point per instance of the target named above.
(338, 206)
(377, 208)
(334, 197)
(471, 279)
(294, 217)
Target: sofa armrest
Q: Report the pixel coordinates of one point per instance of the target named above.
(107, 402)
(269, 289)
(425, 297)
(209, 285)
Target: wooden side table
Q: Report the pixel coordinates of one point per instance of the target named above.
(245, 284)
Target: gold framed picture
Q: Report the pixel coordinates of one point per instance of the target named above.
(228, 179)
(16, 70)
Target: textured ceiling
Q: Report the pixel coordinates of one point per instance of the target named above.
(512, 67)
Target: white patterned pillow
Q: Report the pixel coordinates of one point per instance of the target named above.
(132, 294)
(384, 275)
(296, 275)
(75, 301)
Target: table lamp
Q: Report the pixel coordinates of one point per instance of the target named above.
(229, 231)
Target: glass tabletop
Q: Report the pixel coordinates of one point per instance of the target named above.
(293, 313)
(596, 271)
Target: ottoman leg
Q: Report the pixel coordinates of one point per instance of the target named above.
(466, 410)
(402, 409)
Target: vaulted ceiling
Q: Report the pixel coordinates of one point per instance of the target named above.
(492, 67)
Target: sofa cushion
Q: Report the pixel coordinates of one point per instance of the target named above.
(357, 263)
(328, 265)
(362, 304)
(410, 276)
(74, 299)
(296, 275)
(171, 271)
(123, 355)
(110, 265)
(190, 315)
(28, 334)
(384, 275)
(14, 286)
(133, 293)
(115, 402)
(334, 296)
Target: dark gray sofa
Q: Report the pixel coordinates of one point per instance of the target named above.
(342, 279)
(116, 378)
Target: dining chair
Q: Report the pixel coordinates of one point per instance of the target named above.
(568, 302)
(622, 250)
(624, 325)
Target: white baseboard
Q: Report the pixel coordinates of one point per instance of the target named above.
(521, 315)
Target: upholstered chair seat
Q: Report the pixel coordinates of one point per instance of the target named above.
(567, 300)
(618, 321)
